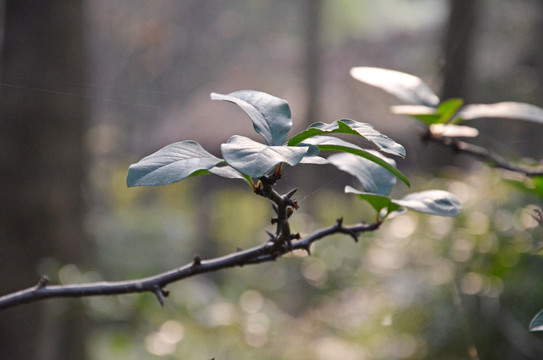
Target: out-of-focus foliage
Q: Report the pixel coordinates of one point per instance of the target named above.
(394, 295)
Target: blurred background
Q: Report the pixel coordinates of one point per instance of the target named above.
(89, 87)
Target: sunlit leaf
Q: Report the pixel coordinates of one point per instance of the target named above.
(537, 322)
(407, 88)
(170, 164)
(270, 115)
(373, 177)
(507, 110)
(335, 144)
(255, 159)
(435, 202)
(347, 126)
(450, 130)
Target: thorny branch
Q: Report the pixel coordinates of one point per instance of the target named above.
(280, 243)
(482, 153)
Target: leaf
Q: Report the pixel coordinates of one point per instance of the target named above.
(430, 115)
(537, 322)
(449, 130)
(407, 88)
(347, 126)
(448, 108)
(373, 178)
(426, 114)
(434, 202)
(378, 202)
(170, 164)
(226, 172)
(335, 144)
(270, 115)
(507, 110)
(255, 159)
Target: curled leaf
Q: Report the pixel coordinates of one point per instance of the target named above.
(407, 88)
(270, 115)
(347, 126)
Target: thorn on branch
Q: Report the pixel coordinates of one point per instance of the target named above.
(290, 193)
(274, 220)
(275, 208)
(197, 260)
(272, 238)
(295, 236)
(42, 283)
(160, 294)
(238, 249)
(339, 222)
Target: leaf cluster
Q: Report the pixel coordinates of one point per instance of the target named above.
(249, 160)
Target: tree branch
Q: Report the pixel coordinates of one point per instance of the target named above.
(268, 251)
(483, 154)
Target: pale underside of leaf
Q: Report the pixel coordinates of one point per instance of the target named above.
(450, 130)
(433, 202)
(537, 322)
(255, 159)
(407, 88)
(270, 115)
(373, 177)
(170, 164)
(335, 144)
(506, 110)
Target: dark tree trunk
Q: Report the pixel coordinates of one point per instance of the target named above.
(458, 45)
(42, 170)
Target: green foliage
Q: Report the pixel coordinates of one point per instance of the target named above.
(247, 159)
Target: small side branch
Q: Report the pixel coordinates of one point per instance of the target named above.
(268, 251)
(483, 154)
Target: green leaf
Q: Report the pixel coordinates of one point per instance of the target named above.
(426, 114)
(507, 110)
(430, 115)
(270, 115)
(347, 126)
(373, 178)
(335, 144)
(255, 159)
(448, 108)
(434, 202)
(378, 202)
(170, 164)
(407, 88)
(537, 322)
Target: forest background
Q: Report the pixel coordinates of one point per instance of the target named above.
(88, 87)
